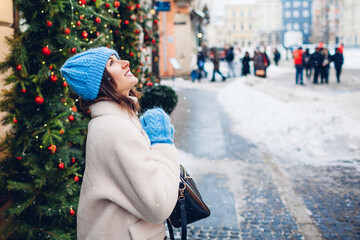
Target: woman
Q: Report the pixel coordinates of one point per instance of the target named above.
(245, 64)
(325, 67)
(131, 178)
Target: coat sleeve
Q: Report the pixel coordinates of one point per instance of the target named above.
(148, 176)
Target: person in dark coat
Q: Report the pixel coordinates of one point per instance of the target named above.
(201, 59)
(325, 67)
(338, 60)
(277, 56)
(307, 63)
(230, 59)
(216, 62)
(245, 64)
(316, 60)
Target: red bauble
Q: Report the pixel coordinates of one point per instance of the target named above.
(149, 84)
(76, 178)
(97, 20)
(18, 158)
(82, 2)
(156, 21)
(53, 78)
(131, 54)
(23, 90)
(61, 131)
(67, 31)
(64, 84)
(128, 7)
(61, 165)
(84, 34)
(46, 51)
(153, 41)
(81, 17)
(52, 148)
(116, 4)
(71, 118)
(51, 67)
(137, 6)
(73, 160)
(146, 37)
(78, 23)
(97, 34)
(18, 67)
(72, 212)
(39, 100)
(137, 31)
(73, 50)
(107, 5)
(48, 23)
(126, 22)
(15, 120)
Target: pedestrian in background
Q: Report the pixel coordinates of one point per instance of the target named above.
(277, 56)
(201, 59)
(229, 58)
(316, 60)
(131, 180)
(338, 60)
(307, 63)
(259, 64)
(299, 66)
(266, 60)
(325, 66)
(245, 64)
(216, 62)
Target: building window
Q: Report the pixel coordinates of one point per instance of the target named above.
(288, 14)
(306, 31)
(241, 13)
(234, 13)
(296, 26)
(297, 4)
(250, 13)
(249, 43)
(305, 13)
(296, 13)
(306, 25)
(287, 4)
(305, 4)
(250, 26)
(242, 26)
(288, 27)
(234, 27)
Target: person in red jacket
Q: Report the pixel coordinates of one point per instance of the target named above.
(298, 61)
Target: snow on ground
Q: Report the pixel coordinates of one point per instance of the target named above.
(310, 124)
(294, 123)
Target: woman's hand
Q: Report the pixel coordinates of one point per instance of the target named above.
(157, 125)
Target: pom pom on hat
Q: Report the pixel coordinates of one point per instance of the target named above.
(84, 71)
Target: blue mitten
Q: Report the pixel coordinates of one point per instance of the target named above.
(156, 124)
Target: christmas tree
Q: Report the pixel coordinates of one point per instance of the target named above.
(40, 173)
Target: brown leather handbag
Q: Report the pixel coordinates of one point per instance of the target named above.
(189, 208)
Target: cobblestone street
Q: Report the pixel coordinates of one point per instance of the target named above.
(251, 193)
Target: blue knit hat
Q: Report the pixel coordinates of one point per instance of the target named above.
(84, 71)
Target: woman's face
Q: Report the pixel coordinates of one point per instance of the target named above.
(120, 72)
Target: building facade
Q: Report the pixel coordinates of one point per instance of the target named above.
(6, 30)
(269, 21)
(297, 17)
(179, 36)
(241, 23)
(326, 21)
(350, 23)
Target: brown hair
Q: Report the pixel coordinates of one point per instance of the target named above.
(107, 92)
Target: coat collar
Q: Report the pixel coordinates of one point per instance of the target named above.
(108, 108)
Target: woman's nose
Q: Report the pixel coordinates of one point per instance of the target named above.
(125, 63)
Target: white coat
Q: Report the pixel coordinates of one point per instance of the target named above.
(129, 187)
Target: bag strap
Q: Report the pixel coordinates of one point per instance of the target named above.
(183, 221)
